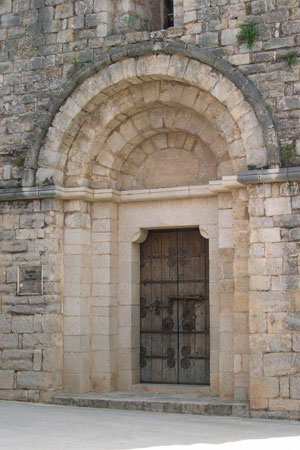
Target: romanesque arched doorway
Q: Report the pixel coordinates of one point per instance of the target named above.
(147, 142)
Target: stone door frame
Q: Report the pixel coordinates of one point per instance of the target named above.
(102, 233)
(134, 222)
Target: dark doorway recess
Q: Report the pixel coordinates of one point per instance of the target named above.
(168, 14)
(174, 308)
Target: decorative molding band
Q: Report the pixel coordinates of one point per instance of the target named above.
(269, 175)
(111, 195)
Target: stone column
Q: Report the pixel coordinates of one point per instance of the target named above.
(77, 291)
(226, 290)
(240, 229)
(104, 296)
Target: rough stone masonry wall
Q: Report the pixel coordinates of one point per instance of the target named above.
(215, 25)
(42, 43)
(31, 339)
(138, 15)
(274, 300)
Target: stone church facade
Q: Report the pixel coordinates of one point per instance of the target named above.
(123, 118)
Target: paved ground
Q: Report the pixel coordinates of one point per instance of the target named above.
(25, 426)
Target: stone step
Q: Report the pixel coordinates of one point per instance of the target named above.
(172, 388)
(157, 402)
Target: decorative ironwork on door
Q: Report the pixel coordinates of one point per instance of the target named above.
(174, 308)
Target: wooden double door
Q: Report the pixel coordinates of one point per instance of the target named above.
(174, 308)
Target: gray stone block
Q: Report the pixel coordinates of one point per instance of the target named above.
(209, 39)
(5, 7)
(19, 246)
(8, 341)
(6, 379)
(11, 20)
(83, 7)
(5, 323)
(46, 14)
(36, 220)
(22, 324)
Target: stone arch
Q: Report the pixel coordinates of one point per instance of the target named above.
(186, 65)
(145, 109)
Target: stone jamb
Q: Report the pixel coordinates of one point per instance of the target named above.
(104, 301)
(226, 292)
(241, 234)
(77, 296)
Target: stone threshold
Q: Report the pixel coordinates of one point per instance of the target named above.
(172, 388)
(157, 402)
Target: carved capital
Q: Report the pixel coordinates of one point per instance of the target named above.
(204, 231)
(139, 236)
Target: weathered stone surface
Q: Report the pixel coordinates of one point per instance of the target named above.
(296, 342)
(276, 364)
(17, 359)
(37, 380)
(264, 387)
(19, 246)
(295, 387)
(270, 343)
(8, 341)
(139, 402)
(32, 220)
(5, 323)
(276, 206)
(22, 324)
(6, 379)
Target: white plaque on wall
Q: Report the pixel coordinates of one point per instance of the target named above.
(30, 280)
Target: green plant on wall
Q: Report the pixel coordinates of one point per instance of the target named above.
(249, 33)
(76, 65)
(287, 153)
(20, 161)
(291, 58)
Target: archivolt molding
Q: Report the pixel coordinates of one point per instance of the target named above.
(132, 64)
(141, 113)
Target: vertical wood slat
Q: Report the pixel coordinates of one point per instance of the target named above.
(175, 263)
